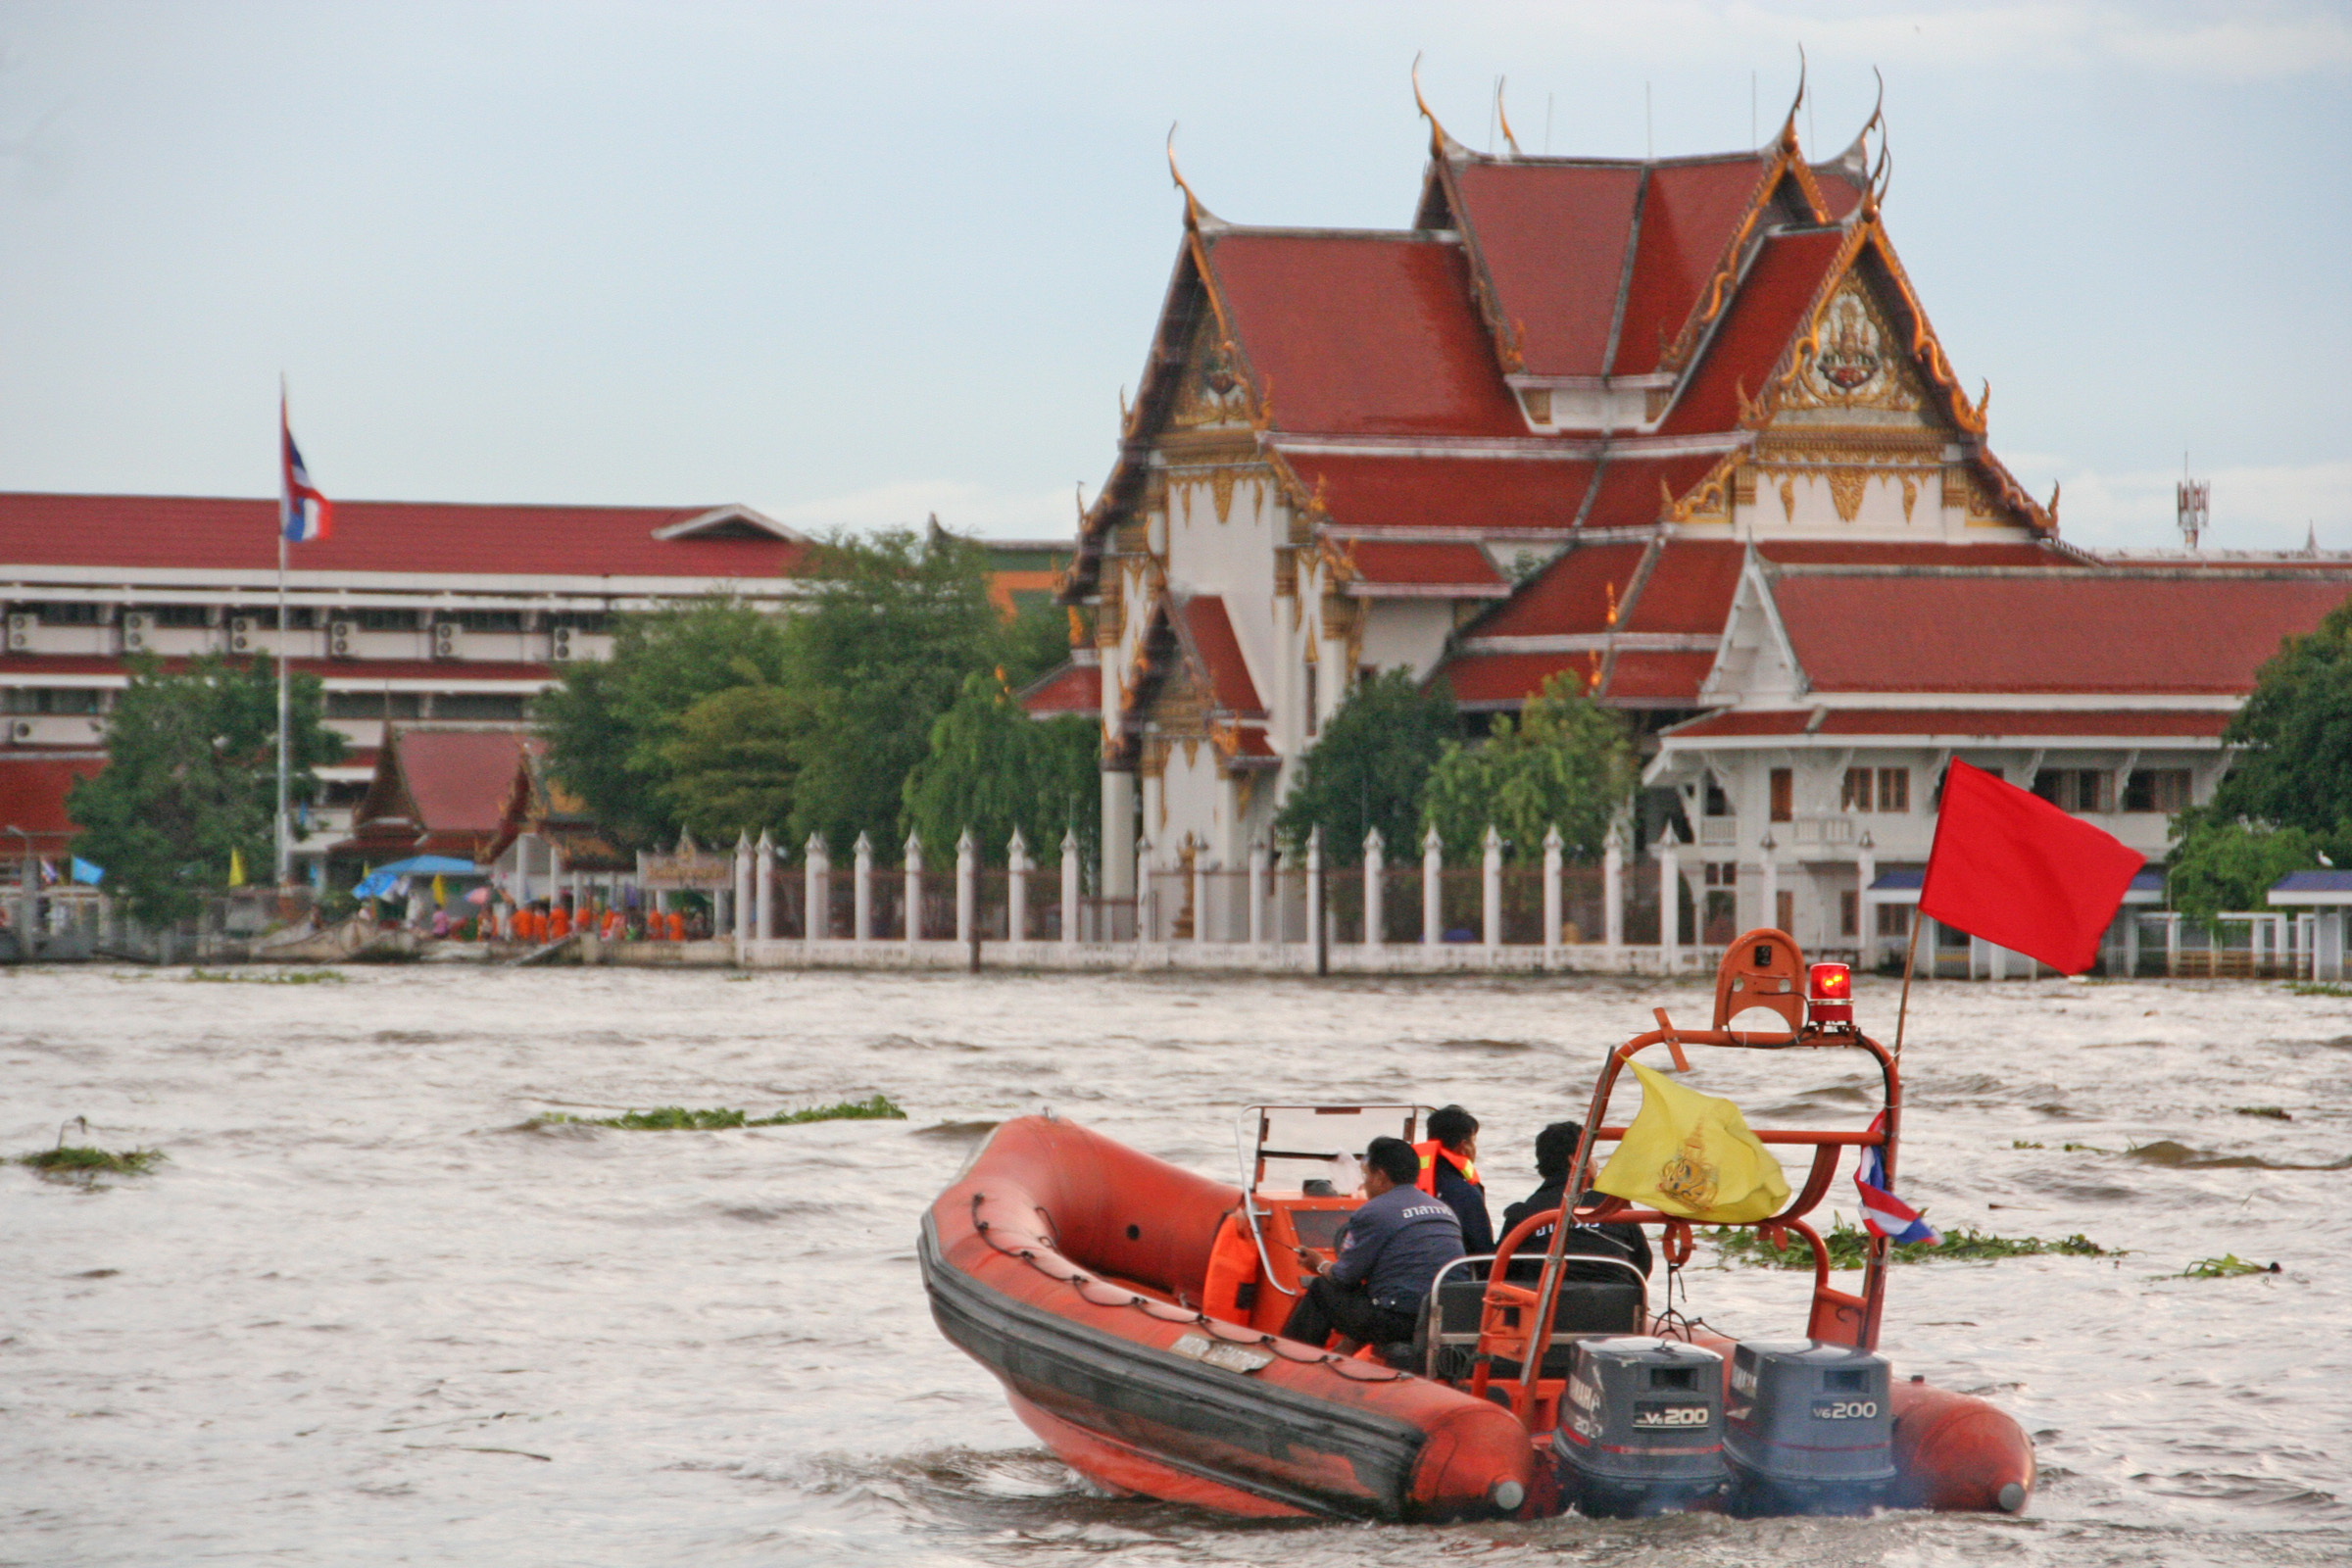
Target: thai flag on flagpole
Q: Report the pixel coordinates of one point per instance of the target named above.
(1885, 1215)
(303, 515)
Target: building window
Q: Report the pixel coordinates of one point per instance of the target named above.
(1894, 919)
(490, 619)
(584, 621)
(1785, 912)
(1716, 803)
(1723, 873)
(2157, 789)
(1784, 795)
(1849, 912)
(374, 704)
(498, 706)
(182, 615)
(1877, 789)
(387, 619)
(2076, 788)
(51, 700)
(1310, 698)
(69, 614)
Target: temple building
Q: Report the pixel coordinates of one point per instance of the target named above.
(1677, 430)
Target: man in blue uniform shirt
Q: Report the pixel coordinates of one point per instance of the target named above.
(1389, 1252)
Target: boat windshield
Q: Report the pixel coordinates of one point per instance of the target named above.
(1291, 1146)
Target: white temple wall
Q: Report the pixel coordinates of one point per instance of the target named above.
(1411, 632)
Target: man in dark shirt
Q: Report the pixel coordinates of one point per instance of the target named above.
(1450, 1170)
(1390, 1251)
(1555, 1147)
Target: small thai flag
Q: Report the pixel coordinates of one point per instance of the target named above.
(1885, 1215)
(303, 515)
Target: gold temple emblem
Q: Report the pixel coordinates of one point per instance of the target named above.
(1852, 357)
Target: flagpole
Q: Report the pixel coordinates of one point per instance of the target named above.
(1902, 1012)
(286, 846)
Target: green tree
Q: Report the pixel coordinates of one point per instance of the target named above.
(991, 767)
(191, 779)
(2233, 865)
(1567, 763)
(732, 762)
(894, 624)
(1369, 766)
(610, 725)
(2294, 740)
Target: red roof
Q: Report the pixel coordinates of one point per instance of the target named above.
(1958, 722)
(419, 538)
(1688, 591)
(1764, 314)
(1687, 218)
(1638, 680)
(1576, 593)
(1553, 238)
(1447, 570)
(2045, 632)
(1363, 333)
(1498, 681)
(1071, 688)
(1862, 553)
(32, 796)
(1478, 494)
(455, 782)
(1210, 632)
(1632, 490)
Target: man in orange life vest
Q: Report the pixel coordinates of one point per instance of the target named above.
(1450, 1171)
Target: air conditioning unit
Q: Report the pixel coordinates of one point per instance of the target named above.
(19, 731)
(446, 634)
(343, 639)
(240, 634)
(138, 628)
(20, 630)
(559, 644)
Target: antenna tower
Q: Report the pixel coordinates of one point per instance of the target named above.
(2194, 504)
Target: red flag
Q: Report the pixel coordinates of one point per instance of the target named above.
(2015, 870)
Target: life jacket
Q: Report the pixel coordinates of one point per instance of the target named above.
(1426, 1181)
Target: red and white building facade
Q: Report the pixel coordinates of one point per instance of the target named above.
(414, 616)
(1680, 430)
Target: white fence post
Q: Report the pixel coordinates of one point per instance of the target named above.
(1069, 887)
(1552, 886)
(742, 892)
(967, 887)
(1376, 865)
(1433, 888)
(1279, 924)
(912, 916)
(861, 892)
(1866, 907)
(1314, 887)
(1257, 894)
(1490, 886)
(1142, 887)
(1612, 890)
(1017, 888)
(1199, 898)
(764, 886)
(816, 896)
(1670, 907)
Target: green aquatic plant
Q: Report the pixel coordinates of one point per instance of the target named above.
(1849, 1247)
(2228, 1266)
(68, 1161)
(292, 977)
(678, 1118)
(2320, 988)
(2273, 1112)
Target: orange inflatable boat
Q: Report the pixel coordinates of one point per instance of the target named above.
(1131, 1309)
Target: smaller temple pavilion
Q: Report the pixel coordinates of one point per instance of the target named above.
(441, 792)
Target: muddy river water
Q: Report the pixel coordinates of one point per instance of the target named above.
(370, 1311)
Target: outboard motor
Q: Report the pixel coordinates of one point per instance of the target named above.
(1809, 1428)
(1640, 1427)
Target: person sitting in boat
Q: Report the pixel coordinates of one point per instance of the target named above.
(1450, 1171)
(1390, 1251)
(1555, 1147)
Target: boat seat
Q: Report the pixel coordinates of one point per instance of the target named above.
(1599, 1297)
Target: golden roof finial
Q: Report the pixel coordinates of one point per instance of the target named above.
(1438, 141)
(1193, 212)
(1788, 126)
(1505, 115)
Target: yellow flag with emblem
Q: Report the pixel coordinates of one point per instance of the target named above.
(1692, 1156)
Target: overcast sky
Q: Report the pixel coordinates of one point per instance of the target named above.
(853, 263)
